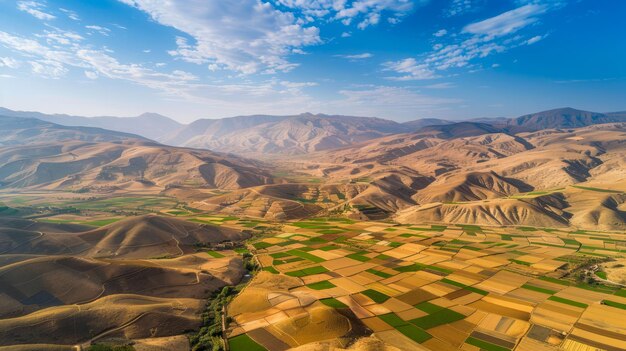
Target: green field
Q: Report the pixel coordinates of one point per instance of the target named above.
(244, 343)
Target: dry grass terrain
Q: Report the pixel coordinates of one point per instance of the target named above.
(350, 234)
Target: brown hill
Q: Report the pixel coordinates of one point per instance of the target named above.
(540, 212)
(472, 186)
(127, 316)
(47, 281)
(135, 237)
(151, 236)
(26, 131)
(469, 170)
(285, 135)
(458, 130)
(560, 118)
(78, 165)
(149, 125)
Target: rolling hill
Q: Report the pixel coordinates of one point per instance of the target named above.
(28, 131)
(35, 153)
(560, 118)
(285, 135)
(137, 278)
(148, 125)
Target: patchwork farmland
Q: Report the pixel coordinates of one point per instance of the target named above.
(431, 287)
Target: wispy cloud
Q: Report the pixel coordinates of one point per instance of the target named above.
(354, 57)
(381, 100)
(410, 68)
(102, 30)
(9, 62)
(445, 85)
(70, 14)
(52, 58)
(476, 41)
(246, 36)
(507, 22)
(363, 13)
(36, 9)
(460, 7)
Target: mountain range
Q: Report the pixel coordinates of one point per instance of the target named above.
(530, 170)
(262, 135)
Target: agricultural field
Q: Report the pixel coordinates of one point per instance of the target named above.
(432, 287)
(334, 281)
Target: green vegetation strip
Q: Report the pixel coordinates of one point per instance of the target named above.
(428, 307)
(334, 303)
(307, 271)
(271, 270)
(538, 289)
(359, 257)
(215, 254)
(393, 320)
(306, 255)
(244, 343)
(375, 295)
(412, 332)
(597, 189)
(261, 245)
(483, 345)
(379, 273)
(614, 304)
(466, 287)
(437, 318)
(568, 301)
(554, 280)
(323, 285)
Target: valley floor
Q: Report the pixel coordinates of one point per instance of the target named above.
(136, 270)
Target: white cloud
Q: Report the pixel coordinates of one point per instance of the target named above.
(346, 35)
(372, 19)
(507, 22)
(445, 85)
(440, 33)
(70, 14)
(459, 7)
(246, 36)
(410, 68)
(356, 56)
(54, 60)
(477, 40)
(35, 9)
(363, 12)
(91, 75)
(385, 101)
(534, 39)
(48, 68)
(102, 30)
(9, 62)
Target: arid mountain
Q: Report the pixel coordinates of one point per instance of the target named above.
(108, 166)
(287, 135)
(458, 130)
(425, 122)
(150, 125)
(78, 284)
(46, 155)
(560, 118)
(486, 178)
(26, 131)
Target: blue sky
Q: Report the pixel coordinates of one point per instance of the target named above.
(396, 59)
